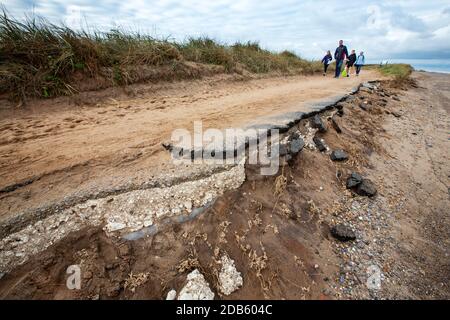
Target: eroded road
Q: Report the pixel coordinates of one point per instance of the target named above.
(50, 150)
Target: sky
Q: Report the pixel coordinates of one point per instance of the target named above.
(413, 29)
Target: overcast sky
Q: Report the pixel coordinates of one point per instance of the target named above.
(383, 29)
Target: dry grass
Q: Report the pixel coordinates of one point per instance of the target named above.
(280, 184)
(188, 264)
(135, 280)
(42, 59)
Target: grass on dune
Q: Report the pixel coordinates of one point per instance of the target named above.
(37, 58)
(399, 71)
(41, 59)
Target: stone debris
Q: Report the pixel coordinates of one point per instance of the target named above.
(340, 106)
(353, 180)
(283, 149)
(128, 212)
(338, 155)
(320, 144)
(366, 90)
(168, 146)
(343, 233)
(229, 278)
(309, 136)
(366, 188)
(296, 145)
(383, 102)
(317, 123)
(291, 145)
(364, 105)
(336, 125)
(196, 288)
(363, 187)
(171, 295)
(368, 85)
(396, 114)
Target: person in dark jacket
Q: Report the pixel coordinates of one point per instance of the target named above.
(350, 62)
(326, 60)
(340, 55)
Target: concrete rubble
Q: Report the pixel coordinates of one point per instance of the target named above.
(196, 288)
(229, 278)
(309, 136)
(171, 295)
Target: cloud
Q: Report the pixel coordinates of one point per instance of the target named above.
(383, 29)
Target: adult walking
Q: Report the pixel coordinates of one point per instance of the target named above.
(326, 60)
(340, 55)
(360, 61)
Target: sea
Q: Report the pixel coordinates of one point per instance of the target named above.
(432, 65)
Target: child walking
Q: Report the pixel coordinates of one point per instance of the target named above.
(326, 60)
(360, 61)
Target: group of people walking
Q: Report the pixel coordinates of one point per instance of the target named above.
(343, 59)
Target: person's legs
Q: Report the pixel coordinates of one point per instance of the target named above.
(338, 68)
(358, 69)
(325, 67)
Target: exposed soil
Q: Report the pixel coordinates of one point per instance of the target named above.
(52, 149)
(275, 228)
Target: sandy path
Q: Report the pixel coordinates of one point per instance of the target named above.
(67, 148)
